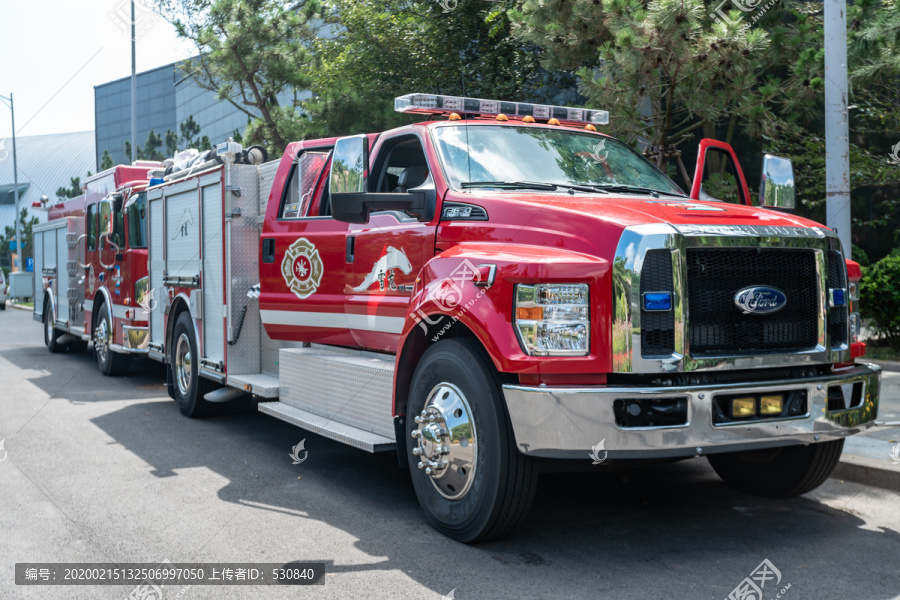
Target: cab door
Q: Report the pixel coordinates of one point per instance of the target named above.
(302, 256)
(384, 255)
(718, 176)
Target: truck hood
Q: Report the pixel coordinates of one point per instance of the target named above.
(633, 209)
(593, 223)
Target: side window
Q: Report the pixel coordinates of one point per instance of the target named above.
(720, 181)
(118, 234)
(305, 174)
(91, 226)
(405, 167)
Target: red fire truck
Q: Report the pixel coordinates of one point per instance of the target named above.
(501, 290)
(91, 257)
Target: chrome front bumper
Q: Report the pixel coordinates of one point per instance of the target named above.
(567, 422)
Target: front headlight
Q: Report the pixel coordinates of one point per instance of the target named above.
(553, 319)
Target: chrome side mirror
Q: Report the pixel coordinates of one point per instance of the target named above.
(776, 188)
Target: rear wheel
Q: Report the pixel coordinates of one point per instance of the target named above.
(184, 363)
(778, 472)
(51, 333)
(110, 363)
(471, 480)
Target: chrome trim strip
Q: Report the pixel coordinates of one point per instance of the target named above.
(566, 422)
(120, 349)
(630, 252)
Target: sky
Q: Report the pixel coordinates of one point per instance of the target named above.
(56, 51)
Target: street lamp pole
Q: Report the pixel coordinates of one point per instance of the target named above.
(12, 111)
(837, 131)
(133, 91)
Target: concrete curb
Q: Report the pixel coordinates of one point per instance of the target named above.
(20, 307)
(868, 471)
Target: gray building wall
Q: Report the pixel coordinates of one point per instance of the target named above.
(112, 111)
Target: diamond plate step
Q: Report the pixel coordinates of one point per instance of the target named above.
(260, 384)
(345, 386)
(341, 432)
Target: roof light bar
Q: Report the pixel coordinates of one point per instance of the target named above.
(434, 104)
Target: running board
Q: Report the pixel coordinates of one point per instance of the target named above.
(340, 432)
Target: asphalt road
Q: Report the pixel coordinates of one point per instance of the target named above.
(98, 469)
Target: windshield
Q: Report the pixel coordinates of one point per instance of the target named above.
(493, 154)
(137, 222)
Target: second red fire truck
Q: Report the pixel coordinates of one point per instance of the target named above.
(500, 290)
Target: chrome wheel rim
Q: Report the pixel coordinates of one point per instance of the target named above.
(446, 441)
(183, 364)
(101, 340)
(48, 329)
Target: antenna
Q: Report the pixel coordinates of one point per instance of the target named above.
(462, 76)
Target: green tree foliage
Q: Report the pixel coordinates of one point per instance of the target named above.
(251, 52)
(106, 161)
(25, 226)
(190, 138)
(74, 189)
(385, 48)
(880, 297)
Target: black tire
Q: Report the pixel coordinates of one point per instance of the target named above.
(188, 386)
(51, 333)
(111, 363)
(779, 472)
(499, 487)
(3, 305)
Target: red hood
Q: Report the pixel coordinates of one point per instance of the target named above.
(636, 210)
(592, 223)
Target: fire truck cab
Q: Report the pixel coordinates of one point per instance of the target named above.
(92, 259)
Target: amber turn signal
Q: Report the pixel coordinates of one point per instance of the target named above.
(530, 313)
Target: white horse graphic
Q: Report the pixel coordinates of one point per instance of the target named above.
(392, 259)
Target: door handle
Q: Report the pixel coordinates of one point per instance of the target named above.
(268, 250)
(351, 248)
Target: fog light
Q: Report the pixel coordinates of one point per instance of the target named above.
(743, 407)
(771, 405)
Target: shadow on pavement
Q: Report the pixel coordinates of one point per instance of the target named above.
(667, 532)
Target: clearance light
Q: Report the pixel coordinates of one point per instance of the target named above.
(553, 121)
(436, 104)
(743, 407)
(553, 319)
(771, 405)
(853, 293)
(657, 301)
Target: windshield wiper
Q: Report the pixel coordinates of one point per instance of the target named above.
(636, 190)
(532, 185)
(523, 185)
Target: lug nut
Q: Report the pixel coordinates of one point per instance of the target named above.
(421, 465)
(416, 433)
(428, 471)
(417, 451)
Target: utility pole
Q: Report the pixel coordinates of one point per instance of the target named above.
(9, 102)
(837, 129)
(133, 91)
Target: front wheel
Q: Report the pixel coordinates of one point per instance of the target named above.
(471, 480)
(110, 363)
(778, 472)
(51, 333)
(184, 362)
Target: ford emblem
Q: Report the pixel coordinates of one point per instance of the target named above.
(759, 300)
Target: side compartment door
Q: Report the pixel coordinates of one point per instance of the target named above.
(157, 290)
(302, 258)
(718, 176)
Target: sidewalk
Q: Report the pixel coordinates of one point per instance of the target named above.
(868, 458)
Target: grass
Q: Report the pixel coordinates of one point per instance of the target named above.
(880, 352)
